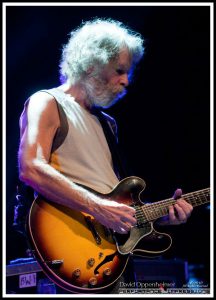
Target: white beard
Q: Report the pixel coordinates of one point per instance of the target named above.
(101, 94)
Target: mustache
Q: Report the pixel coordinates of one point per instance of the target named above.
(122, 93)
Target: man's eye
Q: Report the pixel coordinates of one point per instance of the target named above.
(120, 71)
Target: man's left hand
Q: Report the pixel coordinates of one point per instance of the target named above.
(180, 211)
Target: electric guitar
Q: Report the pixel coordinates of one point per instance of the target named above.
(83, 256)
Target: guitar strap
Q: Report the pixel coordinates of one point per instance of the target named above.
(111, 137)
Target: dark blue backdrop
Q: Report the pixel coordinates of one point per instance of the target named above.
(164, 120)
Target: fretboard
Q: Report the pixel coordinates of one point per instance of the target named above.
(153, 211)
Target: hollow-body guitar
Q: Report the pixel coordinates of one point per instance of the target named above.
(81, 255)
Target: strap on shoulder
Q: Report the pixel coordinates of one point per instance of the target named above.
(110, 129)
(62, 131)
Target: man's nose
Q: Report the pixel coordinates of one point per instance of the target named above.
(124, 80)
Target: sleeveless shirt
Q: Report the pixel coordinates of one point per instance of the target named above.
(84, 156)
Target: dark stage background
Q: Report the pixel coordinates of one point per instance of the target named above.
(164, 120)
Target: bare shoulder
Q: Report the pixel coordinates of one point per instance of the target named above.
(41, 100)
(43, 105)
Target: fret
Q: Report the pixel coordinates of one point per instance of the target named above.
(141, 219)
(153, 211)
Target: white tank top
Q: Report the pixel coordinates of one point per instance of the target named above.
(84, 156)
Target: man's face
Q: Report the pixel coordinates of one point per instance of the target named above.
(110, 84)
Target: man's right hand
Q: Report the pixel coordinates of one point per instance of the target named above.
(114, 215)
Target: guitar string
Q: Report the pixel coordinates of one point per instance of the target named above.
(139, 215)
(144, 213)
(161, 208)
(191, 198)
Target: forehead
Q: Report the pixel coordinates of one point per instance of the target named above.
(124, 59)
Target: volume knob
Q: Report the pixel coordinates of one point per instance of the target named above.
(93, 281)
(91, 262)
(76, 273)
(107, 272)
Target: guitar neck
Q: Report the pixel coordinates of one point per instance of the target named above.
(153, 211)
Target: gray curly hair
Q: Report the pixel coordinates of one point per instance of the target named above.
(95, 43)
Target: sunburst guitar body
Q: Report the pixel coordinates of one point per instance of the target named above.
(82, 256)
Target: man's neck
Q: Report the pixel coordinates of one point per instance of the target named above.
(77, 93)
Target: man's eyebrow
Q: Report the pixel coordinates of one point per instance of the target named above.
(124, 67)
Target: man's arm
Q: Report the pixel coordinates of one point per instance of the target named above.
(38, 127)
